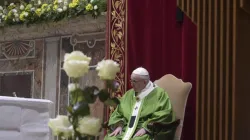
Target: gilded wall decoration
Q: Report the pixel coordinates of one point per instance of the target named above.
(117, 13)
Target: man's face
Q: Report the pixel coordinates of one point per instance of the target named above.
(137, 83)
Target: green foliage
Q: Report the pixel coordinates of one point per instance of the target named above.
(81, 98)
(35, 12)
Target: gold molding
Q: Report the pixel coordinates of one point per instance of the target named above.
(117, 41)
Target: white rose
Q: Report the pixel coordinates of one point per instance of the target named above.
(11, 4)
(107, 69)
(1, 8)
(39, 2)
(62, 125)
(95, 7)
(59, 10)
(59, 1)
(76, 64)
(32, 9)
(89, 126)
(5, 11)
(64, 8)
(91, 1)
(16, 15)
(14, 10)
(26, 14)
(72, 87)
(21, 7)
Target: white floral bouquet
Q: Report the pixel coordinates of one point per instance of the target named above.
(79, 125)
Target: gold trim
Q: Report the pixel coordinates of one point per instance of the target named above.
(117, 47)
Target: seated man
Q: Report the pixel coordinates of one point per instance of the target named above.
(145, 103)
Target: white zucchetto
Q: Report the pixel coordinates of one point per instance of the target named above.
(140, 71)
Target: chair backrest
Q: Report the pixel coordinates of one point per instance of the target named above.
(178, 92)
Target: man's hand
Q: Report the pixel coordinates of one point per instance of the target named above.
(141, 132)
(117, 131)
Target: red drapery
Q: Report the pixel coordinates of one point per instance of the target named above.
(161, 45)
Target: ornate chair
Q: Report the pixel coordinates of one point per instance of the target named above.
(178, 92)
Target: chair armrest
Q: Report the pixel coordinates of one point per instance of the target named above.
(157, 127)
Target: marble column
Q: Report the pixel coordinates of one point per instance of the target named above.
(51, 71)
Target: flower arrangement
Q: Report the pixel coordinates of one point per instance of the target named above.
(79, 125)
(36, 12)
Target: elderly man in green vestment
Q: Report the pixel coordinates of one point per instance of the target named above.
(145, 103)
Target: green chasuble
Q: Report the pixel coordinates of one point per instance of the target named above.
(155, 107)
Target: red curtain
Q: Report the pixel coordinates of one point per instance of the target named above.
(159, 43)
(188, 44)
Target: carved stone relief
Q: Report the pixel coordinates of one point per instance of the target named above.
(17, 50)
(22, 56)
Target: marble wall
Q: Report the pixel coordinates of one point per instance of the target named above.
(42, 59)
(22, 58)
(93, 45)
(31, 59)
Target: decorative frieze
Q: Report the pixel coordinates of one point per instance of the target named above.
(17, 50)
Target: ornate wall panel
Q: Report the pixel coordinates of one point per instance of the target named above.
(117, 40)
(21, 57)
(222, 91)
(17, 50)
(40, 49)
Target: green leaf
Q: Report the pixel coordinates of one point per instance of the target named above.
(112, 102)
(103, 95)
(76, 96)
(70, 109)
(81, 109)
(90, 94)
